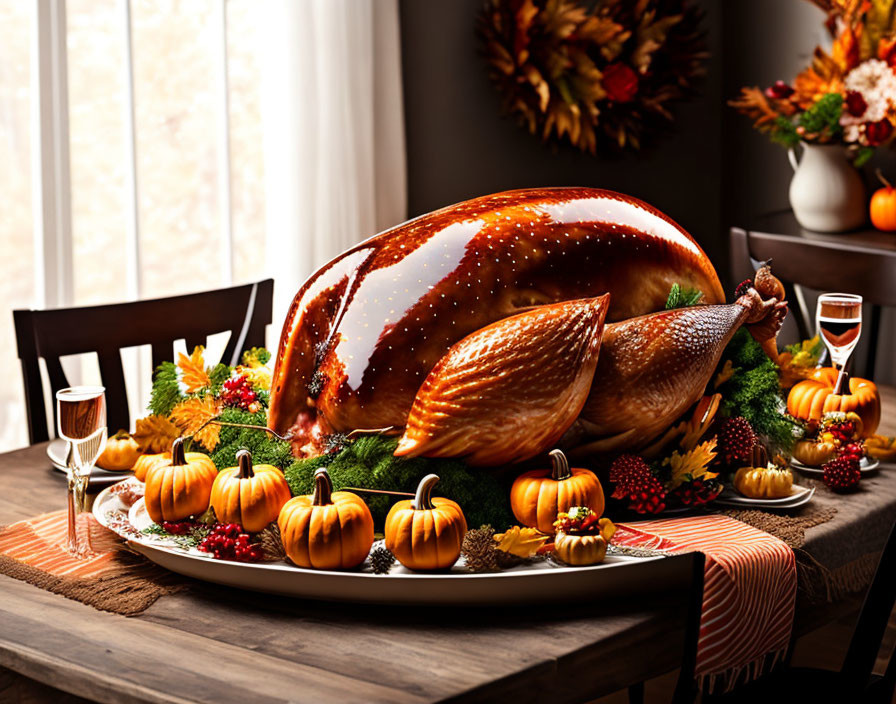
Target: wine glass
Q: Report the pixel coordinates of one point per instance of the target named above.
(839, 318)
(81, 416)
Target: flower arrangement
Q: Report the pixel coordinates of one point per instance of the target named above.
(600, 72)
(847, 96)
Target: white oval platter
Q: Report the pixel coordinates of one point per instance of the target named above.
(618, 576)
(800, 496)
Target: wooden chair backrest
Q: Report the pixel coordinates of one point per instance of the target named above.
(244, 310)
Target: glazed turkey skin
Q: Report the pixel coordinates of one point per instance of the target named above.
(365, 330)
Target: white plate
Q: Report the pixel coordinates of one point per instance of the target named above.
(868, 464)
(98, 476)
(617, 576)
(800, 495)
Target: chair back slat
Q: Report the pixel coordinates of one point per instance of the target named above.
(112, 374)
(873, 619)
(107, 329)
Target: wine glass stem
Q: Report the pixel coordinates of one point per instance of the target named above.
(73, 546)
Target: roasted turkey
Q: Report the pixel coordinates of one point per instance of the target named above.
(494, 328)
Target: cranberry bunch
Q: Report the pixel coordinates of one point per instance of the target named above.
(853, 450)
(238, 393)
(227, 541)
(698, 492)
(178, 528)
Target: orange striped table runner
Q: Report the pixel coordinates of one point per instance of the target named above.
(749, 592)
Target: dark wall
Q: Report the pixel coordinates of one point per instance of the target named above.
(459, 145)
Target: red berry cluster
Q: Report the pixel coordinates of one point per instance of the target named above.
(842, 473)
(698, 492)
(178, 528)
(237, 392)
(227, 541)
(634, 481)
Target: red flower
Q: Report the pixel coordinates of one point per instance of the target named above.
(779, 90)
(878, 132)
(855, 103)
(620, 82)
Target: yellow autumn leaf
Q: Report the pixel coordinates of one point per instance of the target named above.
(191, 417)
(155, 434)
(522, 542)
(693, 463)
(193, 371)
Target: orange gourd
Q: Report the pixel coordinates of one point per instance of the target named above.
(426, 533)
(247, 495)
(883, 206)
(537, 497)
(326, 530)
(144, 462)
(120, 453)
(812, 398)
(181, 487)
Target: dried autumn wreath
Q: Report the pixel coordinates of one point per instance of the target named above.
(604, 72)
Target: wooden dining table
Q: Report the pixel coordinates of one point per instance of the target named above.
(216, 644)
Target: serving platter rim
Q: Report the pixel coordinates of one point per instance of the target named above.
(578, 582)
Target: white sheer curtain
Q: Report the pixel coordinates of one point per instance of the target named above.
(333, 132)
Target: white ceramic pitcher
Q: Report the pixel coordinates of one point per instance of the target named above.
(826, 193)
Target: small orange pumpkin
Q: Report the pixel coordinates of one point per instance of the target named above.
(180, 487)
(247, 495)
(120, 453)
(883, 206)
(426, 533)
(144, 462)
(537, 497)
(326, 530)
(811, 398)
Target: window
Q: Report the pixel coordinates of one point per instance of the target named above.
(162, 192)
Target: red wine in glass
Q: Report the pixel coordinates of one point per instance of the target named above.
(839, 318)
(81, 417)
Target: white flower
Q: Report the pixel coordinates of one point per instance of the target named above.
(876, 82)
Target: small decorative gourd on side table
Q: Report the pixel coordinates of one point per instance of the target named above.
(326, 530)
(539, 496)
(181, 487)
(249, 496)
(426, 533)
(582, 536)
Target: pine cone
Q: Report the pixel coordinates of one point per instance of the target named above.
(271, 543)
(381, 560)
(842, 473)
(479, 550)
(735, 440)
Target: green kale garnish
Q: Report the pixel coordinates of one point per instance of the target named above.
(265, 448)
(754, 392)
(369, 463)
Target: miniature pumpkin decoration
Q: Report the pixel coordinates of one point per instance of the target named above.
(539, 496)
(326, 530)
(761, 480)
(812, 398)
(582, 537)
(426, 533)
(814, 454)
(247, 495)
(180, 487)
(883, 206)
(144, 462)
(121, 452)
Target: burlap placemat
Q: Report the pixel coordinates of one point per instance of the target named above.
(113, 579)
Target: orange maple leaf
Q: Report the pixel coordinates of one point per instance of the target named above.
(155, 434)
(191, 417)
(194, 374)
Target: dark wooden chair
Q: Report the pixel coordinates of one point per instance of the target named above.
(686, 686)
(245, 311)
(855, 682)
(858, 262)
